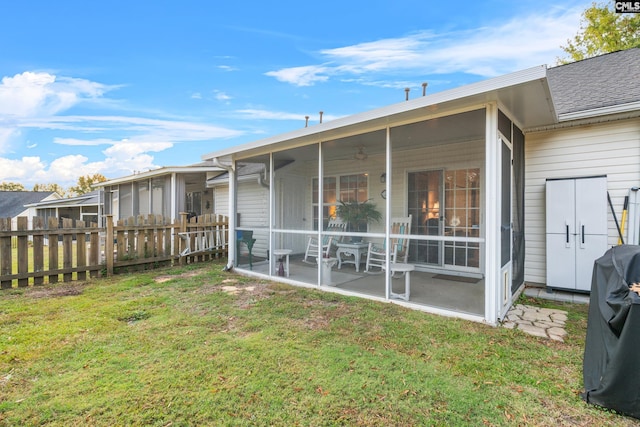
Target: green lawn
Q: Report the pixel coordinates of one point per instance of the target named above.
(197, 346)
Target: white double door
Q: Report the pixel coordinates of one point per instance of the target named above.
(576, 220)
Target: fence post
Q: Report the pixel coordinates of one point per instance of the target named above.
(5, 253)
(108, 245)
(23, 251)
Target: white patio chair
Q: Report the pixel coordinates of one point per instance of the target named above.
(376, 255)
(328, 242)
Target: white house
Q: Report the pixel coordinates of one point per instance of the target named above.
(470, 166)
(14, 204)
(85, 207)
(165, 191)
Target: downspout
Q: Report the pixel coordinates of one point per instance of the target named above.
(261, 180)
(232, 211)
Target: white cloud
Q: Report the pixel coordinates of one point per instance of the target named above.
(37, 93)
(82, 142)
(121, 159)
(302, 76)
(31, 96)
(20, 170)
(126, 150)
(487, 51)
(221, 96)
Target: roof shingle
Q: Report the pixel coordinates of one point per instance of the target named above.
(602, 81)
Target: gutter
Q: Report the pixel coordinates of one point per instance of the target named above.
(602, 111)
(230, 168)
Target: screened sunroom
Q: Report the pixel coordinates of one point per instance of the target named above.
(442, 174)
(165, 191)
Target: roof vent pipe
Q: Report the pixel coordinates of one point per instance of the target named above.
(306, 121)
(406, 91)
(424, 88)
(321, 116)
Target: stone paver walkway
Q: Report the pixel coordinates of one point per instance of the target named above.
(541, 322)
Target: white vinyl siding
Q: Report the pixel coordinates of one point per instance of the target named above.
(611, 149)
(253, 207)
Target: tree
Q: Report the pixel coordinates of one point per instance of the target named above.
(50, 187)
(11, 186)
(602, 30)
(85, 183)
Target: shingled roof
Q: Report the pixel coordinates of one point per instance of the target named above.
(12, 202)
(602, 81)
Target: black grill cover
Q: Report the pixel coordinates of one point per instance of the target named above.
(611, 368)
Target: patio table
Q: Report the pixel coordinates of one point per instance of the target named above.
(356, 250)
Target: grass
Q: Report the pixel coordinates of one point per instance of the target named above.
(198, 346)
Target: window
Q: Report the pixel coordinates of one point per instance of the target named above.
(194, 202)
(462, 216)
(348, 187)
(160, 203)
(143, 198)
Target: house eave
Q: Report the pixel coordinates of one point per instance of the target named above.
(158, 172)
(501, 89)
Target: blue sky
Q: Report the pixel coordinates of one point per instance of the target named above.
(117, 87)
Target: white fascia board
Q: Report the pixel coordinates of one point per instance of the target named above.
(474, 89)
(597, 112)
(158, 172)
(58, 202)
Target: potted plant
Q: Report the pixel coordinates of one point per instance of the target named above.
(358, 215)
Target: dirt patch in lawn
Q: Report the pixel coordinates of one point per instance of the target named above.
(166, 278)
(55, 291)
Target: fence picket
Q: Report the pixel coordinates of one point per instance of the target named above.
(81, 250)
(94, 249)
(38, 251)
(53, 249)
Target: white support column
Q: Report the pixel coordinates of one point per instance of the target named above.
(320, 210)
(233, 206)
(174, 188)
(492, 216)
(272, 217)
(387, 226)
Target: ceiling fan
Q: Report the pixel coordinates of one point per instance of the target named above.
(360, 154)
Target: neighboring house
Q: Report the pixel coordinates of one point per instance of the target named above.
(165, 191)
(470, 166)
(18, 203)
(86, 207)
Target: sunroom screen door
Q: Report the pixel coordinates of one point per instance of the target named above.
(425, 200)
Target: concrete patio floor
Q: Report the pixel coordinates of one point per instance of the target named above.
(461, 294)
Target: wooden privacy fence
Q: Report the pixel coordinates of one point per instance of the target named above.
(67, 249)
(146, 241)
(39, 256)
